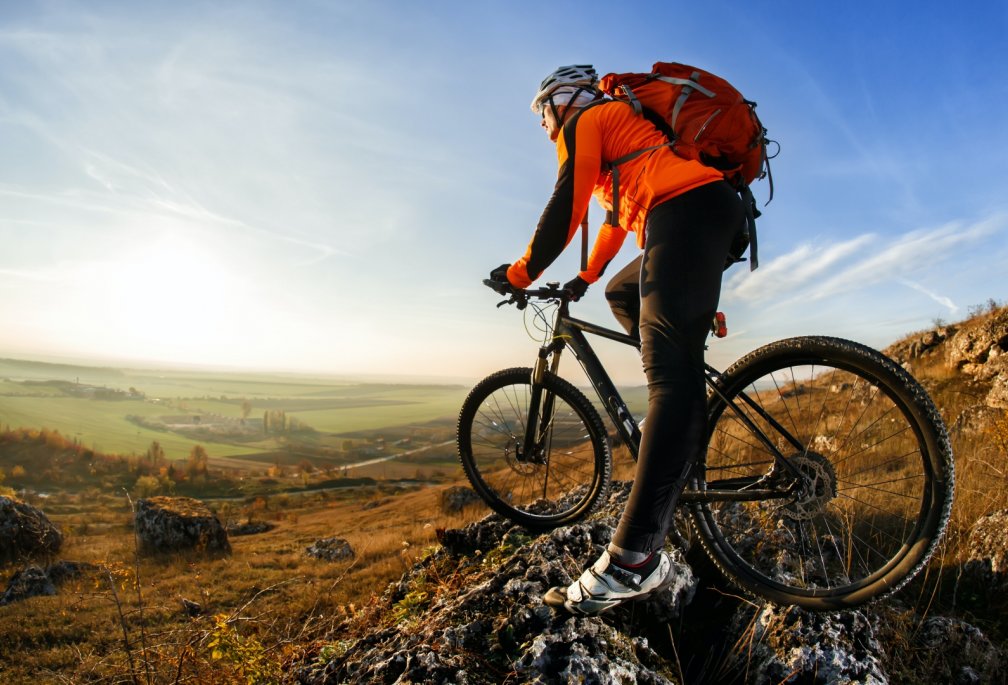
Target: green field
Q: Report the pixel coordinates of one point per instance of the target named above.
(62, 397)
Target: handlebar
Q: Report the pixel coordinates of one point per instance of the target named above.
(520, 296)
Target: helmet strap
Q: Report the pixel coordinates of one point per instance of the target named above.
(556, 114)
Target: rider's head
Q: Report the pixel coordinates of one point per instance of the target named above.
(565, 89)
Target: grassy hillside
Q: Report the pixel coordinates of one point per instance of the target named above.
(268, 604)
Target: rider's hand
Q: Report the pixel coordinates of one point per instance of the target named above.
(500, 274)
(577, 287)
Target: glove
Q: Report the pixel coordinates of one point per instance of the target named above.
(500, 274)
(577, 287)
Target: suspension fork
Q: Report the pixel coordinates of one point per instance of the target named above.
(540, 410)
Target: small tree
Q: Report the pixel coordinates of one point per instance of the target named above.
(147, 486)
(197, 462)
(155, 454)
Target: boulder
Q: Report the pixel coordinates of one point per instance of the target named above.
(457, 498)
(28, 582)
(171, 524)
(26, 532)
(331, 549)
(986, 569)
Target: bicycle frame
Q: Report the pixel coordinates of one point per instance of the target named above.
(570, 332)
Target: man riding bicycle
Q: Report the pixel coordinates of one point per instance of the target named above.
(685, 217)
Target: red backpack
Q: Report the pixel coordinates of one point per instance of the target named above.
(708, 119)
(705, 118)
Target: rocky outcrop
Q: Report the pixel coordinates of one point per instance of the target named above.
(26, 532)
(978, 347)
(457, 498)
(980, 350)
(960, 653)
(171, 524)
(788, 644)
(471, 612)
(331, 549)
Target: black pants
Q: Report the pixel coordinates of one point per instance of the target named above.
(669, 296)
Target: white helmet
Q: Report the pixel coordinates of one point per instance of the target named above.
(578, 77)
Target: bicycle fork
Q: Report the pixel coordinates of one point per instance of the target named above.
(541, 406)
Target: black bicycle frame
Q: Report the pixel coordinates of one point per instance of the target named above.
(570, 332)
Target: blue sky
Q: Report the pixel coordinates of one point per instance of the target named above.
(321, 186)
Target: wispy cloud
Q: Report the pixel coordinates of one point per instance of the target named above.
(815, 272)
(940, 299)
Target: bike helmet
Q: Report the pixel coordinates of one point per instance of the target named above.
(577, 78)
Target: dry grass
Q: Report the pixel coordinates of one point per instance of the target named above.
(260, 608)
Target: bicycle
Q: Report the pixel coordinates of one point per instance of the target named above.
(827, 479)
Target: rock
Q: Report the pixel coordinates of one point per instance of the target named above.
(170, 524)
(961, 653)
(34, 581)
(26, 532)
(998, 395)
(975, 420)
(789, 644)
(28, 582)
(331, 549)
(191, 608)
(457, 498)
(986, 570)
(249, 528)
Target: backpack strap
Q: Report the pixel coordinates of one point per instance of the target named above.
(613, 167)
(689, 85)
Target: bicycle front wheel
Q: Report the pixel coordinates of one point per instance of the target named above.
(869, 474)
(559, 481)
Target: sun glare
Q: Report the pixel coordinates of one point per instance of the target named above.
(171, 299)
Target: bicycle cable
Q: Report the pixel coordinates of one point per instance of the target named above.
(540, 324)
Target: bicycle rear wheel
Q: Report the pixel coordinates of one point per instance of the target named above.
(563, 479)
(871, 476)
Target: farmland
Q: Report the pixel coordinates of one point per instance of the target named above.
(248, 417)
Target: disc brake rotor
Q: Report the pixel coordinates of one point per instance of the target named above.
(818, 488)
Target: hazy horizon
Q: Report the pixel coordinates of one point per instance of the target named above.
(320, 187)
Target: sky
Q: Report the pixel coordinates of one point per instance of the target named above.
(320, 187)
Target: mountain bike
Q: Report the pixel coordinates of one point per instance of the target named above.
(826, 482)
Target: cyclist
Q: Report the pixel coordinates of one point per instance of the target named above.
(685, 217)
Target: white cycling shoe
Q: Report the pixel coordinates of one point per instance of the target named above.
(606, 585)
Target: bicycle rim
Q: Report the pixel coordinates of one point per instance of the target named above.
(875, 465)
(556, 485)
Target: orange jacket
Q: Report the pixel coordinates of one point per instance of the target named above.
(594, 136)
